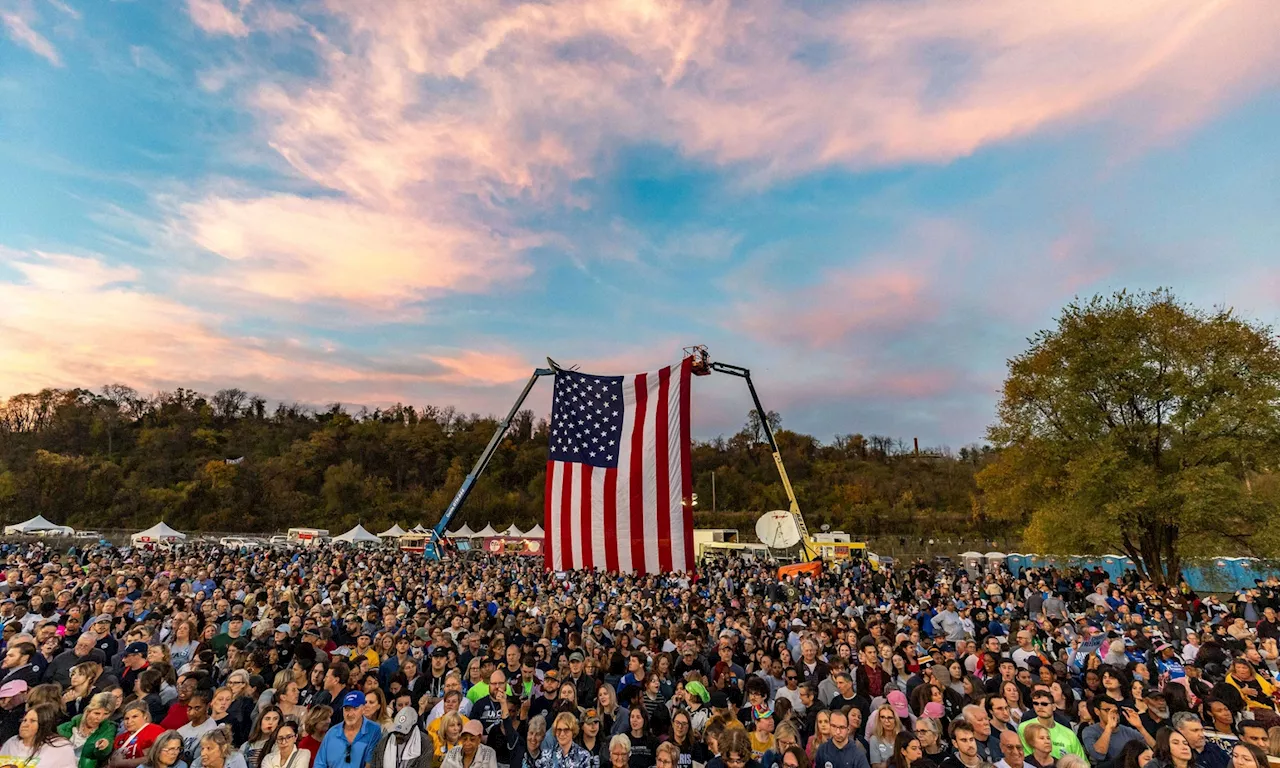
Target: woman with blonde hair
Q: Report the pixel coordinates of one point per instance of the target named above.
(884, 730)
(1036, 737)
(447, 737)
(821, 733)
(567, 750)
(92, 733)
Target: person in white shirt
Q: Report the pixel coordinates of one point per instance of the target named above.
(1191, 649)
(1011, 748)
(791, 691)
(198, 724)
(38, 743)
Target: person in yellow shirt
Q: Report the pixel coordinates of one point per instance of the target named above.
(364, 647)
(448, 732)
(762, 739)
(452, 705)
(1257, 692)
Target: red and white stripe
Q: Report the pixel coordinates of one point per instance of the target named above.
(633, 519)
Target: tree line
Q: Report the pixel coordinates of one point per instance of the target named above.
(230, 461)
(1137, 424)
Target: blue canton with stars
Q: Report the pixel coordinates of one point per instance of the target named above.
(586, 419)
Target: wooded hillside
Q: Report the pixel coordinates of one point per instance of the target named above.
(116, 459)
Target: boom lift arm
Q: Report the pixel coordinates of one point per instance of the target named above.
(431, 548)
(743, 373)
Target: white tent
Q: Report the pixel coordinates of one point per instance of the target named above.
(38, 525)
(513, 532)
(535, 532)
(394, 532)
(418, 529)
(357, 535)
(486, 532)
(464, 532)
(160, 532)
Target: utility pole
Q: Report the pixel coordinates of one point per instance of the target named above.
(713, 491)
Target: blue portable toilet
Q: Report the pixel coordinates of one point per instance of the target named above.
(1244, 570)
(1113, 565)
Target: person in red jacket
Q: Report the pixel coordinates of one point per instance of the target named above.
(136, 738)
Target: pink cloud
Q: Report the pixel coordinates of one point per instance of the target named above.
(20, 31)
(473, 367)
(77, 321)
(434, 117)
(844, 302)
(295, 249)
(215, 18)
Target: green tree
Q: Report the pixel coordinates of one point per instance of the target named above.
(1137, 423)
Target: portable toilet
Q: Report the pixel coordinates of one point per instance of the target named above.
(972, 561)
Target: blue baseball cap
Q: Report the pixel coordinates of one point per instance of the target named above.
(353, 699)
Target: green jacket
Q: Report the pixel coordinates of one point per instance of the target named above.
(90, 755)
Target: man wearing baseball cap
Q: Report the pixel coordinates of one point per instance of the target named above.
(351, 744)
(135, 661)
(583, 685)
(101, 626)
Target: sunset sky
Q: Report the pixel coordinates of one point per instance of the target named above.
(871, 204)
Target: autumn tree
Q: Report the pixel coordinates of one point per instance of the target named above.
(1138, 423)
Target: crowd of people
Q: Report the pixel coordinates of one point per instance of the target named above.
(197, 656)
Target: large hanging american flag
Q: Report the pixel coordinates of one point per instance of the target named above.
(619, 479)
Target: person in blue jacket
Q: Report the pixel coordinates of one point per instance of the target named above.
(352, 744)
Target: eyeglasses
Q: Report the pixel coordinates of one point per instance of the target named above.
(563, 729)
(1042, 703)
(286, 737)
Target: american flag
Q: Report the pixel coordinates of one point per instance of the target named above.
(619, 477)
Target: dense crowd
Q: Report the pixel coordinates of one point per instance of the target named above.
(201, 657)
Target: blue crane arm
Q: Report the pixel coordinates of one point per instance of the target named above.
(467, 484)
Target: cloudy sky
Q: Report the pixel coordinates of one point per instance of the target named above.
(872, 204)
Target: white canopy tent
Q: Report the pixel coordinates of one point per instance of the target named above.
(394, 532)
(535, 532)
(464, 532)
(38, 525)
(358, 535)
(158, 533)
(418, 529)
(513, 532)
(486, 532)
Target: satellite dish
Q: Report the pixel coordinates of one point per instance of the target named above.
(778, 529)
